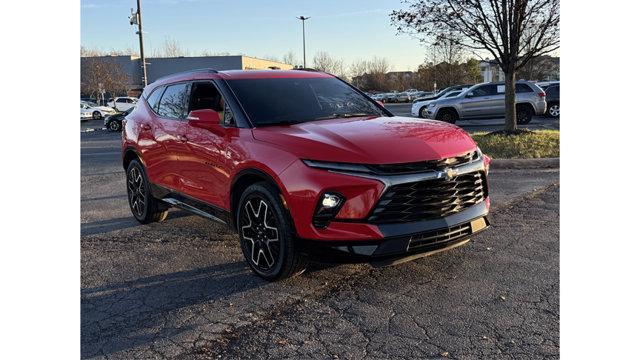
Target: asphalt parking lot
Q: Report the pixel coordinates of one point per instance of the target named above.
(180, 289)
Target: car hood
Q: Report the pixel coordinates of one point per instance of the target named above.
(377, 140)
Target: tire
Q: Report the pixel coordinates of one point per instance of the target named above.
(114, 125)
(553, 110)
(524, 114)
(423, 112)
(144, 207)
(266, 234)
(97, 115)
(447, 115)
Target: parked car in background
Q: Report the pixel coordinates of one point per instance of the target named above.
(432, 96)
(97, 112)
(402, 97)
(85, 113)
(123, 103)
(419, 108)
(299, 162)
(487, 101)
(553, 100)
(114, 122)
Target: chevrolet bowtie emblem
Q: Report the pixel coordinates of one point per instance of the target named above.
(448, 173)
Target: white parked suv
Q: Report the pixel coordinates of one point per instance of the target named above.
(123, 103)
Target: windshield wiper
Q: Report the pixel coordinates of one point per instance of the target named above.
(343, 116)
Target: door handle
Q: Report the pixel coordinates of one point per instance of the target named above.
(146, 127)
(182, 138)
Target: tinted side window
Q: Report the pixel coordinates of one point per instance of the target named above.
(154, 98)
(485, 90)
(523, 88)
(553, 91)
(174, 102)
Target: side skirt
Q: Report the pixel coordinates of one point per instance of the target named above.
(190, 204)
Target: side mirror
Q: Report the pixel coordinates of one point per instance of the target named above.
(380, 103)
(207, 119)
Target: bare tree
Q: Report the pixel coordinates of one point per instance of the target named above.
(170, 48)
(512, 31)
(102, 74)
(324, 62)
(290, 58)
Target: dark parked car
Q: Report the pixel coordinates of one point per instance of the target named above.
(553, 100)
(114, 122)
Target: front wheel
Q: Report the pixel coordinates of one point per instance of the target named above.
(447, 116)
(266, 234)
(97, 115)
(113, 125)
(423, 112)
(554, 110)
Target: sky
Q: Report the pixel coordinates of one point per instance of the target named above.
(347, 29)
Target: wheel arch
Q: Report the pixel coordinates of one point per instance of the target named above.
(129, 155)
(242, 181)
(528, 105)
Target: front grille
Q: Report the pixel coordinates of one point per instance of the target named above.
(440, 236)
(423, 166)
(429, 199)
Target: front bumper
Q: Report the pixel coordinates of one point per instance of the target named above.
(406, 239)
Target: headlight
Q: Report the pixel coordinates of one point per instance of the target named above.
(335, 166)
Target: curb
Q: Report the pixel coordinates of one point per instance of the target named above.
(542, 163)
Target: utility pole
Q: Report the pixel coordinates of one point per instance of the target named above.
(136, 18)
(304, 46)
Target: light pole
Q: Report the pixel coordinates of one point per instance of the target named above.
(136, 19)
(304, 46)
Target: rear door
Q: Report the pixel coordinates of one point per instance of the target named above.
(168, 133)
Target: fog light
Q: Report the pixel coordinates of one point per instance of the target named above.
(330, 201)
(328, 207)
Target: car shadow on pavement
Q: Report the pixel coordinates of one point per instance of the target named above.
(104, 226)
(136, 313)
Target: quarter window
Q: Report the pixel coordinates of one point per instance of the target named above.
(154, 98)
(523, 88)
(174, 102)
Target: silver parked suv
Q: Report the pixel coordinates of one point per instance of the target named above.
(487, 101)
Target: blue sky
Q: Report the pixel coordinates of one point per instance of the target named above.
(348, 29)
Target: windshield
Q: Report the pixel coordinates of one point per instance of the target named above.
(296, 100)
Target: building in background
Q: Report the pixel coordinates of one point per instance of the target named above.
(491, 71)
(159, 67)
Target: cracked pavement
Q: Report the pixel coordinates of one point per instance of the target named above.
(180, 289)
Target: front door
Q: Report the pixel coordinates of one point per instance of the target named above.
(479, 102)
(206, 171)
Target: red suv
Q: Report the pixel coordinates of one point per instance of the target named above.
(300, 162)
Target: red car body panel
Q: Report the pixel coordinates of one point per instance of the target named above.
(204, 164)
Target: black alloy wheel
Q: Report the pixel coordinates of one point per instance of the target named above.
(113, 125)
(523, 115)
(447, 116)
(266, 235)
(97, 115)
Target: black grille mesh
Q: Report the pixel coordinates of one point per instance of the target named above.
(429, 199)
(440, 236)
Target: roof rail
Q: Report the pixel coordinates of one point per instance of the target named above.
(187, 72)
(307, 69)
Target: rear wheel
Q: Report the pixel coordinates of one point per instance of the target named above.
(447, 115)
(97, 115)
(524, 114)
(266, 234)
(144, 207)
